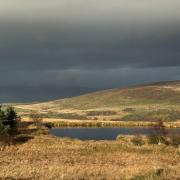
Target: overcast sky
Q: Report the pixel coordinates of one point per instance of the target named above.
(60, 48)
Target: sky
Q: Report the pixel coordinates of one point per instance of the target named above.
(52, 49)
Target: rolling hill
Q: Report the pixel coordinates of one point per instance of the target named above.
(163, 93)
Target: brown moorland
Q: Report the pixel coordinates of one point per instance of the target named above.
(38, 155)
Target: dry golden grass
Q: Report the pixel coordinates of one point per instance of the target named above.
(47, 157)
(142, 116)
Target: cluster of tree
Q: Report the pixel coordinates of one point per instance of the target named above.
(8, 120)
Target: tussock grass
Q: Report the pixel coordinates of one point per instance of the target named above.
(47, 157)
(142, 140)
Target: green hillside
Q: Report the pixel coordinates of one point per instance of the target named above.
(167, 93)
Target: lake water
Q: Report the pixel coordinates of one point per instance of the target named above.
(103, 133)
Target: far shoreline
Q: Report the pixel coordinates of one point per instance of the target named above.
(55, 123)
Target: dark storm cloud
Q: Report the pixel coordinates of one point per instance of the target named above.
(84, 45)
(92, 34)
(89, 49)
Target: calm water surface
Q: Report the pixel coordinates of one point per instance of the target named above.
(103, 133)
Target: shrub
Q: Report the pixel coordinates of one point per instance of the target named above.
(137, 140)
(48, 125)
(98, 124)
(175, 140)
(122, 138)
(41, 130)
(156, 139)
(159, 134)
(129, 110)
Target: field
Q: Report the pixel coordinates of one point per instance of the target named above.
(37, 155)
(132, 106)
(107, 118)
(34, 154)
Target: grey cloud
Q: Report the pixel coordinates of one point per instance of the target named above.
(88, 49)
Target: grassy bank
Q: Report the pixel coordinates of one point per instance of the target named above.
(78, 123)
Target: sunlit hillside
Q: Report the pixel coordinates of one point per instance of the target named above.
(164, 93)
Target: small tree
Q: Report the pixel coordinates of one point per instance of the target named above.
(138, 140)
(8, 121)
(10, 117)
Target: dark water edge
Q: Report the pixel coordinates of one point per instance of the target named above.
(104, 133)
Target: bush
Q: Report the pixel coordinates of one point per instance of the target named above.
(123, 138)
(159, 134)
(137, 140)
(175, 140)
(157, 139)
(129, 110)
(48, 125)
